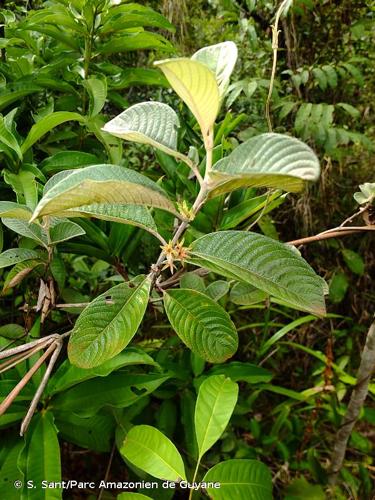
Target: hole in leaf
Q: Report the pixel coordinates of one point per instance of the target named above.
(137, 391)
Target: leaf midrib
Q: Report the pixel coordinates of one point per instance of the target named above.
(140, 445)
(136, 290)
(209, 422)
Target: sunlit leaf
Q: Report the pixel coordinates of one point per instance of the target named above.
(197, 87)
(240, 480)
(216, 400)
(221, 59)
(147, 448)
(100, 184)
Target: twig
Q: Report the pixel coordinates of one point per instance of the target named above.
(360, 211)
(332, 233)
(21, 384)
(108, 469)
(275, 46)
(15, 360)
(25, 347)
(199, 201)
(355, 405)
(30, 412)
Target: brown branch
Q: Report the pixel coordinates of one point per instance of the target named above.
(356, 403)
(34, 403)
(336, 232)
(21, 384)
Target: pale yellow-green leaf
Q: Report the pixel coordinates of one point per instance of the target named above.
(220, 59)
(108, 184)
(197, 87)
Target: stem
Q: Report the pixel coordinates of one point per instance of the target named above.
(42, 386)
(275, 46)
(194, 477)
(21, 384)
(332, 233)
(356, 403)
(199, 201)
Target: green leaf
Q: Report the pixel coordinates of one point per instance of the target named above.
(147, 448)
(112, 145)
(12, 331)
(216, 400)
(135, 41)
(267, 160)
(338, 287)
(242, 372)
(100, 184)
(16, 93)
(217, 290)
(97, 90)
(240, 480)
(10, 209)
(220, 59)
(351, 110)
(7, 137)
(10, 471)
(42, 458)
(118, 390)
(22, 227)
(63, 230)
(68, 375)
(331, 75)
(203, 325)
(67, 160)
(95, 433)
(239, 213)
(135, 215)
(108, 324)
(366, 193)
(133, 15)
(152, 123)
(19, 272)
(275, 268)
(196, 85)
(321, 78)
(244, 294)
(193, 281)
(283, 331)
(302, 116)
(16, 255)
(301, 488)
(354, 261)
(46, 124)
